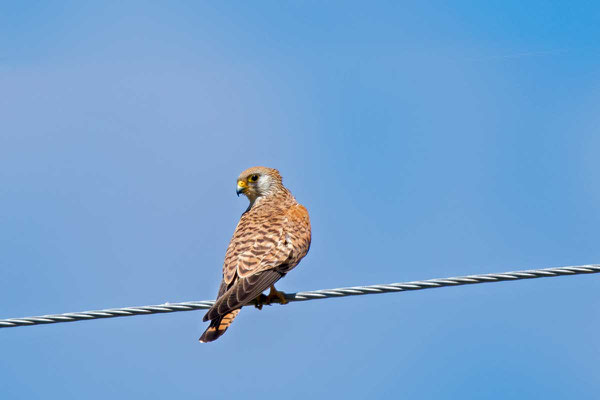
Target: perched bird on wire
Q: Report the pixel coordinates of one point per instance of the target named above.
(273, 235)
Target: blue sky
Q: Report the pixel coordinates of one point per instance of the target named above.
(426, 139)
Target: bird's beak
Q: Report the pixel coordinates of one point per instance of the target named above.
(241, 186)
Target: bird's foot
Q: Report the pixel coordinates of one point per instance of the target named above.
(274, 293)
(260, 301)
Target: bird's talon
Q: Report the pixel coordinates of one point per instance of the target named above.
(276, 293)
(260, 301)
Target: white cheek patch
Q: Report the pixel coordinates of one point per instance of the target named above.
(264, 184)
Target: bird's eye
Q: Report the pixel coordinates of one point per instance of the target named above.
(253, 178)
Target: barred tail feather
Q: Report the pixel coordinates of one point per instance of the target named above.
(218, 327)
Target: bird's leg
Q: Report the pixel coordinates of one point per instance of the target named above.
(260, 301)
(276, 293)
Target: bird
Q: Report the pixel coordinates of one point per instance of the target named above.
(270, 239)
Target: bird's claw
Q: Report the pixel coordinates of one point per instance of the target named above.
(274, 296)
(274, 293)
(260, 301)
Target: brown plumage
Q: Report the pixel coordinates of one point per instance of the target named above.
(273, 235)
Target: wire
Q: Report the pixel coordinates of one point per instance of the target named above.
(304, 296)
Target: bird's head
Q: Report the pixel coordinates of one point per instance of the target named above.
(258, 182)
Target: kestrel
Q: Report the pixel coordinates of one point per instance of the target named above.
(273, 235)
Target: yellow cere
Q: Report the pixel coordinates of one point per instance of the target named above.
(241, 183)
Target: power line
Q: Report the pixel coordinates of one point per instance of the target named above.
(304, 296)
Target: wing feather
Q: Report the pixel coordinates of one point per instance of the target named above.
(243, 291)
(262, 250)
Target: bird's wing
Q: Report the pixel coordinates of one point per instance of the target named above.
(260, 254)
(243, 291)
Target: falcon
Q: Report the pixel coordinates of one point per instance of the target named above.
(273, 235)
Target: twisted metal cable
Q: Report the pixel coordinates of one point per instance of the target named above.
(304, 296)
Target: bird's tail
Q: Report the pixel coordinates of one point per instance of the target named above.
(218, 327)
